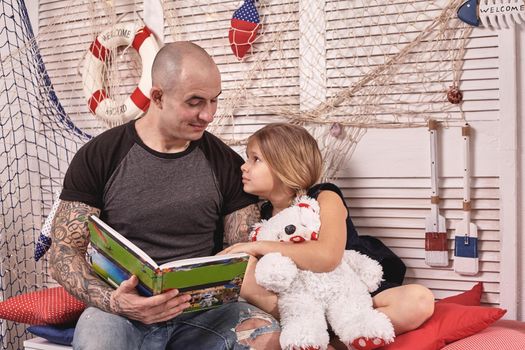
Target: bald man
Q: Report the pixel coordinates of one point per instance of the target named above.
(166, 184)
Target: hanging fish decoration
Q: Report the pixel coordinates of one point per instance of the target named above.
(492, 13)
(244, 26)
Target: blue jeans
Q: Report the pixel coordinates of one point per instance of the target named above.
(210, 330)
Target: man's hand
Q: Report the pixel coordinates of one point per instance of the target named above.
(126, 301)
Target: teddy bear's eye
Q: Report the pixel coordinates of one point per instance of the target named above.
(289, 229)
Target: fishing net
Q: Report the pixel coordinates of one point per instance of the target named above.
(336, 67)
(37, 142)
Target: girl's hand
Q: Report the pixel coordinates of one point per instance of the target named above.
(244, 247)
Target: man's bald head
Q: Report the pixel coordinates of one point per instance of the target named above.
(173, 58)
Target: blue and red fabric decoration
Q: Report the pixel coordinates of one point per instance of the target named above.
(44, 239)
(244, 26)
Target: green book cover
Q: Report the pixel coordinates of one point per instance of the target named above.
(211, 281)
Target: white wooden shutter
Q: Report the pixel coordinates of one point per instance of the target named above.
(387, 180)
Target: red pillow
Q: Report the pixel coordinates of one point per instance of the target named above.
(449, 323)
(504, 334)
(471, 297)
(47, 306)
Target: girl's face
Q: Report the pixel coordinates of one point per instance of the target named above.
(257, 176)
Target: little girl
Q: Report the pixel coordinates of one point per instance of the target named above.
(283, 162)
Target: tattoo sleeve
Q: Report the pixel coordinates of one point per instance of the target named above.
(237, 225)
(68, 265)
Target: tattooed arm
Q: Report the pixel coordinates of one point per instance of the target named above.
(70, 238)
(237, 224)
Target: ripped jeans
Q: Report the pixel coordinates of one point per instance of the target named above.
(210, 330)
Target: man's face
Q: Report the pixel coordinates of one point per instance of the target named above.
(190, 107)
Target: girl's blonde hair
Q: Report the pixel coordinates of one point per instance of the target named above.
(291, 153)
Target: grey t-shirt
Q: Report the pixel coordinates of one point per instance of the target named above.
(170, 205)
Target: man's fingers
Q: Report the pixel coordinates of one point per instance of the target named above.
(172, 312)
(162, 299)
(129, 284)
(168, 310)
(149, 310)
(165, 302)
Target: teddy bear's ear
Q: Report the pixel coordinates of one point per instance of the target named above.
(255, 230)
(307, 202)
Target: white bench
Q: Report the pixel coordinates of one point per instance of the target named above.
(42, 344)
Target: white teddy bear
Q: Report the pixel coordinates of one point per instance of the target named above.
(307, 300)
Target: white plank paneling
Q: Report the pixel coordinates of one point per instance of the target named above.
(508, 160)
(387, 187)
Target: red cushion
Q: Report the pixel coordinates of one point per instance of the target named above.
(449, 323)
(47, 306)
(504, 334)
(471, 297)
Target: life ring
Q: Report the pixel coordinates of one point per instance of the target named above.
(98, 99)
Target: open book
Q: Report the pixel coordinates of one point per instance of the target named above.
(211, 281)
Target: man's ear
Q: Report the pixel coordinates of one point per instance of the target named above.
(156, 96)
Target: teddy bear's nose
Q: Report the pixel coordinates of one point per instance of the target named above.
(289, 229)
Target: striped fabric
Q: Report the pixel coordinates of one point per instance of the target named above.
(502, 335)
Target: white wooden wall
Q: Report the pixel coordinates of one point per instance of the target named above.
(520, 150)
(387, 183)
